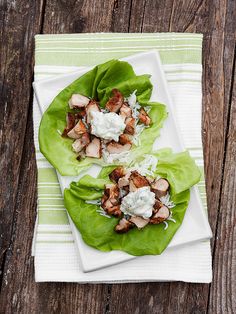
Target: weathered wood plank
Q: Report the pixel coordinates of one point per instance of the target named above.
(78, 16)
(223, 289)
(20, 293)
(157, 16)
(20, 20)
(218, 66)
(215, 21)
(121, 16)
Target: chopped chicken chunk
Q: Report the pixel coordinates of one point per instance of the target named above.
(114, 211)
(77, 145)
(78, 101)
(111, 200)
(113, 193)
(160, 187)
(78, 130)
(124, 181)
(130, 126)
(81, 142)
(85, 138)
(132, 187)
(162, 214)
(125, 139)
(115, 102)
(116, 148)
(116, 174)
(139, 221)
(123, 226)
(158, 204)
(70, 123)
(92, 106)
(138, 180)
(144, 117)
(125, 111)
(80, 114)
(94, 148)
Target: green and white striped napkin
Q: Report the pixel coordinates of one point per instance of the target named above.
(56, 257)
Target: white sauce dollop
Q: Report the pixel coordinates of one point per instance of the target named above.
(108, 126)
(139, 203)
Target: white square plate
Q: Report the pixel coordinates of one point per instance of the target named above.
(195, 226)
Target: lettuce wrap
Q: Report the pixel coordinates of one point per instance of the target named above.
(97, 84)
(98, 231)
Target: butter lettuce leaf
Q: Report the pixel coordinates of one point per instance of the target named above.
(98, 84)
(98, 231)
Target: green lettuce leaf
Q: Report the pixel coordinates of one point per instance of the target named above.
(96, 84)
(98, 231)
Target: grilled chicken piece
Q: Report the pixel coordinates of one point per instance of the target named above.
(92, 106)
(115, 102)
(139, 221)
(106, 205)
(158, 204)
(116, 148)
(138, 180)
(105, 202)
(114, 211)
(80, 114)
(160, 187)
(111, 200)
(123, 226)
(117, 173)
(81, 142)
(124, 181)
(78, 101)
(78, 130)
(132, 187)
(144, 117)
(130, 126)
(126, 189)
(113, 193)
(70, 123)
(162, 214)
(125, 111)
(94, 148)
(125, 139)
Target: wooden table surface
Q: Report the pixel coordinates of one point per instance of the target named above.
(20, 20)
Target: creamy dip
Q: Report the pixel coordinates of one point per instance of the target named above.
(108, 126)
(139, 203)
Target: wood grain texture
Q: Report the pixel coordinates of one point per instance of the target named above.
(223, 290)
(19, 292)
(19, 20)
(71, 16)
(217, 75)
(214, 19)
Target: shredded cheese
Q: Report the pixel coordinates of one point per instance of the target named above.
(94, 202)
(112, 158)
(146, 166)
(166, 201)
(102, 213)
